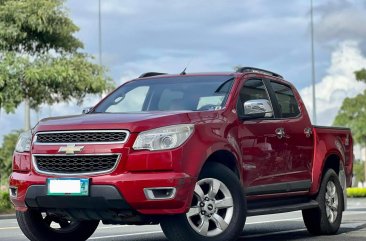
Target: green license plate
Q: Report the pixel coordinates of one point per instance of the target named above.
(68, 186)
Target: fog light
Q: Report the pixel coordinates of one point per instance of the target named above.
(13, 192)
(160, 193)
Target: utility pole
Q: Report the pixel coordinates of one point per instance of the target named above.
(364, 166)
(312, 61)
(27, 124)
(100, 32)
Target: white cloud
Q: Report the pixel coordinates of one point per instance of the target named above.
(164, 35)
(340, 20)
(175, 64)
(339, 82)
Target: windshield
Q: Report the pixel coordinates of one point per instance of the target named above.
(195, 93)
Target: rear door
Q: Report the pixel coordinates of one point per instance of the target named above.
(297, 129)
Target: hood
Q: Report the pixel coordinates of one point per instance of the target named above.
(134, 122)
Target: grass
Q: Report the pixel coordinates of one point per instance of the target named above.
(356, 192)
(5, 204)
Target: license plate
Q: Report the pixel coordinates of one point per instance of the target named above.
(68, 186)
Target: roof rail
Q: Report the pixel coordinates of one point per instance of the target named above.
(149, 74)
(257, 70)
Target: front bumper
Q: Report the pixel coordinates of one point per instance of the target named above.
(108, 192)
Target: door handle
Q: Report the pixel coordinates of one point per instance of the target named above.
(280, 133)
(308, 132)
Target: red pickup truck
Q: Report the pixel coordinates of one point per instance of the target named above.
(197, 153)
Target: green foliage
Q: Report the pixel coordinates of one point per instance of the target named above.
(359, 171)
(6, 154)
(40, 58)
(35, 26)
(356, 192)
(361, 75)
(5, 204)
(353, 112)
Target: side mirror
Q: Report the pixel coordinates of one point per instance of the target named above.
(86, 110)
(257, 109)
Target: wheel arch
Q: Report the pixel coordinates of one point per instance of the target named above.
(332, 161)
(226, 158)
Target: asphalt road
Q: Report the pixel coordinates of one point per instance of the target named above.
(287, 226)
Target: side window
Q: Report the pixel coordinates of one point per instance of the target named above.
(287, 104)
(252, 89)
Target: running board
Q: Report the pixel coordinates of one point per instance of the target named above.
(283, 209)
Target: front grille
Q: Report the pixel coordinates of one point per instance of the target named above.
(76, 164)
(82, 137)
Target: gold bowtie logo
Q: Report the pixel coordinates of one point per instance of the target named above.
(70, 149)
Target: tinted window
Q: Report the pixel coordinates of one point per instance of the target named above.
(252, 89)
(196, 93)
(287, 104)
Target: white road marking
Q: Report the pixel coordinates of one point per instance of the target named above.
(274, 221)
(112, 226)
(7, 228)
(351, 225)
(344, 225)
(126, 235)
(273, 233)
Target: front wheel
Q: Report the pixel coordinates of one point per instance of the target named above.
(218, 209)
(45, 227)
(327, 218)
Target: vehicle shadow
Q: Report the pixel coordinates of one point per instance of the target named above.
(284, 235)
(302, 234)
(282, 232)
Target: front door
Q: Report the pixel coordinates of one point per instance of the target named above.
(264, 153)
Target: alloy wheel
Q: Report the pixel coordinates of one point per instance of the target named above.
(212, 207)
(331, 201)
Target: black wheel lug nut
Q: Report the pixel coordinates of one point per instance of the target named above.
(206, 199)
(203, 212)
(202, 204)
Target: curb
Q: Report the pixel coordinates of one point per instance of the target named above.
(7, 216)
(356, 202)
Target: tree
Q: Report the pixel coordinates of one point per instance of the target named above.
(353, 114)
(6, 153)
(40, 58)
(359, 172)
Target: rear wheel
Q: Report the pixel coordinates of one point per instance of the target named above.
(38, 226)
(327, 218)
(218, 209)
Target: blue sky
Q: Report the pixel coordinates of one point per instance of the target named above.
(212, 35)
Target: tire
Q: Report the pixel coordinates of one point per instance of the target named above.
(37, 227)
(327, 218)
(210, 217)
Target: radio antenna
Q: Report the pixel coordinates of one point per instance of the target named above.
(184, 70)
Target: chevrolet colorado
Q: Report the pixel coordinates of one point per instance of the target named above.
(197, 153)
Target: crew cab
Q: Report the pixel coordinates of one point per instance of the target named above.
(197, 153)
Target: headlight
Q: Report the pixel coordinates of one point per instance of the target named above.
(163, 138)
(24, 142)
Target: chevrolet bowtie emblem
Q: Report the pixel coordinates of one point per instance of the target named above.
(70, 149)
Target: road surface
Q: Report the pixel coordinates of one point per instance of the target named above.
(287, 226)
